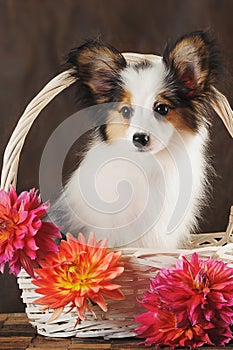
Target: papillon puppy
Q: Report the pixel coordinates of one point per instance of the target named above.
(142, 177)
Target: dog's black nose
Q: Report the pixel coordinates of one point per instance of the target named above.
(141, 140)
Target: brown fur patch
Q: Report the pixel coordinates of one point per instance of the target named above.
(117, 125)
(179, 119)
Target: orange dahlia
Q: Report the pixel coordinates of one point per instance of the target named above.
(24, 238)
(79, 274)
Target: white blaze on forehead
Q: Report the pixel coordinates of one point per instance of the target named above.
(144, 84)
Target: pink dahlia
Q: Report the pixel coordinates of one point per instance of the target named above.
(189, 305)
(24, 238)
(78, 274)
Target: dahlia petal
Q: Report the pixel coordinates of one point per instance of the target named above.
(12, 195)
(113, 294)
(97, 258)
(113, 274)
(81, 310)
(51, 229)
(194, 310)
(44, 238)
(57, 312)
(18, 242)
(14, 214)
(79, 301)
(14, 269)
(151, 307)
(95, 289)
(102, 244)
(57, 301)
(91, 310)
(91, 240)
(32, 254)
(209, 314)
(146, 319)
(3, 258)
(111, 287)
(9, 252)
(20, 232)
(45, 245)
(189, 334)
(30, 244)
(27, 263)
(15, 264)
(44, 308)
(226, 317)
(4, 199)
(81, 238)
(98, 299)
(21, 216)
(220, 286)
(2, 267)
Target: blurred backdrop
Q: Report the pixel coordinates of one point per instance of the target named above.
(34, 39)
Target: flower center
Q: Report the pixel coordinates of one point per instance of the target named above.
(78, 277)
(5, 227)
(201, 280)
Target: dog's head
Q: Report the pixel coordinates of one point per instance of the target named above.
(149, 100)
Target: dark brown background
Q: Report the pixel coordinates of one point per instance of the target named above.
(34, 38)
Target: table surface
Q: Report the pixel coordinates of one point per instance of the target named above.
(17, 334)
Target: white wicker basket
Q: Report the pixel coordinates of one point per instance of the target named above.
(140, 264)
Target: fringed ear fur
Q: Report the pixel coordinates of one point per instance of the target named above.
(98, 67)
(193, 62)
(194, 66)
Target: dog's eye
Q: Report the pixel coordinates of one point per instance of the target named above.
(161, 109)
(126, 112)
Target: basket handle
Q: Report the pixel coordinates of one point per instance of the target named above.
(223, 109)
(229, 230)
(16, 142)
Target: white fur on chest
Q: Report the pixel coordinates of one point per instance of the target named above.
(137, 198)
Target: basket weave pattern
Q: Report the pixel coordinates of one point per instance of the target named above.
(140, 264)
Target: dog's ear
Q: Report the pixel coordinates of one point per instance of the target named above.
(193, 63)
(98, 67)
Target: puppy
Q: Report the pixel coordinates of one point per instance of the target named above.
(143, 175)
